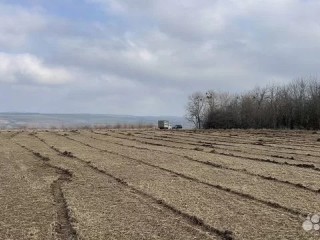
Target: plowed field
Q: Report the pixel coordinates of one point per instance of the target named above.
(150, 184)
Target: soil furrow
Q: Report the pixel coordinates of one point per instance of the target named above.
(169, 186)
(193, 220)
(99, 189)
(149, 184)
(298, 165)
(64, 226)
(232, 146)
(215, 146)
(247, 196)
(282, 141)
(228, 140)
(215, 165)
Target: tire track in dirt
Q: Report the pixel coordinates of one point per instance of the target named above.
(216, 186)
(193, 220)
(63, 227)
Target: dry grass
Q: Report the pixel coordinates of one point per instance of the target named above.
(147, 184)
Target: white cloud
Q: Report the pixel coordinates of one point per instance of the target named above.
(24, 68)
(17, 24)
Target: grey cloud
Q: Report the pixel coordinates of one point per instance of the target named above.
(150, 55)
(17, 24)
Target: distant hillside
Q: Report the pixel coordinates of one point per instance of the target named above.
(36, 120)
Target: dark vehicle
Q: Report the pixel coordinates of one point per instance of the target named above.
(177, 127)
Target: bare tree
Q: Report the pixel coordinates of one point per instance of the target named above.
(314, 103)
(294, 105)
(196, 109)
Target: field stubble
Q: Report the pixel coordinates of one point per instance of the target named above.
(158, 184)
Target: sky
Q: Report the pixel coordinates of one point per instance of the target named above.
(145, 57)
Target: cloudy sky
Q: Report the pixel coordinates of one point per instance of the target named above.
(144, 57)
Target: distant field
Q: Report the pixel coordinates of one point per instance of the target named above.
(148, 184)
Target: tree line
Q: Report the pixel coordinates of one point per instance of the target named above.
(295, 105)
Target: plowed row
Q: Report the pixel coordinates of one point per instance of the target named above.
(158, 184)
